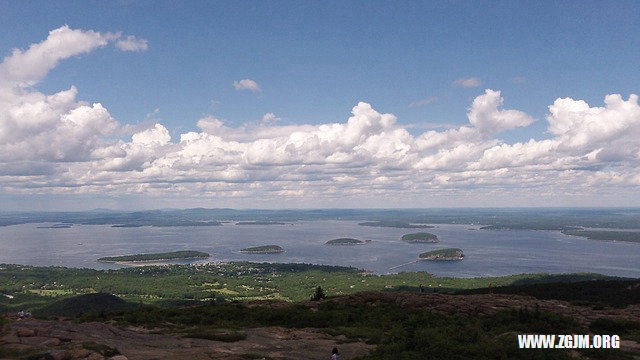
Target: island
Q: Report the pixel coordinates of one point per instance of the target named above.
(260, 223)
(56, 226)
(443, 254)
(347, 241)
(421, 237)
(175, 255)
(395, 224)
(264, 249)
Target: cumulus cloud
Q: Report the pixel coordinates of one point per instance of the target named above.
(57, 127)
(468, 82)
(131, 43)
(485, 114)
(246, 84)
(58, 144)
(25, 68)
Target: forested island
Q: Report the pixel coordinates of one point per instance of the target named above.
(264, 249)
(443, 254)
(260, 223)
(347, 241)
(395, 224)
(421, 237)
(606, 235)
(175, 255)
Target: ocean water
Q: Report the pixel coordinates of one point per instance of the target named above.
(487, 252)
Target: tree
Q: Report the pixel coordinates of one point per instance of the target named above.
(318, 294)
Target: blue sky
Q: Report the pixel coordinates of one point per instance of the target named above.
(423, 62)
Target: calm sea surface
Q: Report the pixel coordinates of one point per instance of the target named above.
(487, 252)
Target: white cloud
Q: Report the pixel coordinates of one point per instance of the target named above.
(468, 82)
(131, 43)
(58, 144)
(25, 68)
(35, 126)
(579, 125)
(485, 115)
(246, 84)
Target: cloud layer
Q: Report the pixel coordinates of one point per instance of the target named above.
(56, 144)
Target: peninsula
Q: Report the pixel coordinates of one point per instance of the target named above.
(264, 249)
(443, 254)
(421, 237)
(175, 255)
(606, 235)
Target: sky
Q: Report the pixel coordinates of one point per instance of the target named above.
(338, 104)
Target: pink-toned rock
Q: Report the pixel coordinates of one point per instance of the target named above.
(39, 341)
(26, 332)
(50, 342)
(78, 353)
(118, 357)
(58, 354)
(94, 356)
(9, 339)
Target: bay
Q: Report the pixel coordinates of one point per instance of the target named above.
(487, 252)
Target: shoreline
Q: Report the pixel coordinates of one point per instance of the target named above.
(152, 262)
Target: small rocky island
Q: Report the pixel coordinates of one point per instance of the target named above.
(347, 241)
(264, 249)
(175, 255)
(421, 237)
(443, 254)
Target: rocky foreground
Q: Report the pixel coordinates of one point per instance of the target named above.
(65, 339)
(58, 339)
